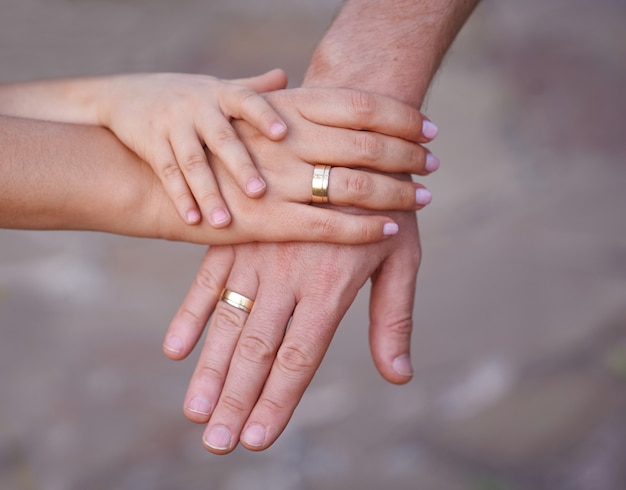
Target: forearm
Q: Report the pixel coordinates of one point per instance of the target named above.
(73, 100)
(62, 176)
(392, 47)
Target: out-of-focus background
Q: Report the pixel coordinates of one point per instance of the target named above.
(520, 334)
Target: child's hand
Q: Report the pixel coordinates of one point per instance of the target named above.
(168, 118)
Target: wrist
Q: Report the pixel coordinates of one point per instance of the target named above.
(393, 48)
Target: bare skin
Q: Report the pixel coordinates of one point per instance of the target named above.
(252, 372)
(68, 176)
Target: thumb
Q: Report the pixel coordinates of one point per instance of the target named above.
(391, 316)
(272, 80)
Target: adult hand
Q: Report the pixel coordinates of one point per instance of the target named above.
(252, 370)
(318, 121)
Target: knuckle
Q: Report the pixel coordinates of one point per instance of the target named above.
(228, 319)
(248, 98)
(413, 123)
(363, 105)
(233, 404)
(360, 185)
(325, 227)
(401, 329)
(418, 159)
(194, 162)
(170, 171)
(186, 316)
(225, 135)
(209, 372)
(207, 197)
(405, 196)
(207, 281)
(369, 146)
(295, 359)
(370, 232)
(257, 349)
(274, 406)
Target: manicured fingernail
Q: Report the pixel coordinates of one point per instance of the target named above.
(390, 229)
(199, 405)
(277, 128)
(173, 344)
(423, 196)
(193, 216)
(254, 435)
(432, 163)
(429, 129)
(218, 438)
(402, 365)
(219, 216)
(255, 185)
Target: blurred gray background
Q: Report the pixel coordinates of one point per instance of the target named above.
(520, 335)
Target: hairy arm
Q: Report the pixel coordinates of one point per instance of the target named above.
(389, 47)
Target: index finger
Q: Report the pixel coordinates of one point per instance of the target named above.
(244, 103)
(361, 110)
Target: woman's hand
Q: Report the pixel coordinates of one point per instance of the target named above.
(169, 118)
(317, 121)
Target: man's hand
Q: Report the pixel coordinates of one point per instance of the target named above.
(253, 370)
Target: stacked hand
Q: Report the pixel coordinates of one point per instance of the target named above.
(252, 369)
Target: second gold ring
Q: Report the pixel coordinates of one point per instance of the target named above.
(319, 184)
(237, 300)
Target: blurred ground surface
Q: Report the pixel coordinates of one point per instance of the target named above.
(520, 339)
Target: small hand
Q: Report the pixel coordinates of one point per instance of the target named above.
(167, 118)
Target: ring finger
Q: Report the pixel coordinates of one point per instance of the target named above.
(223, 334)
(351, 187)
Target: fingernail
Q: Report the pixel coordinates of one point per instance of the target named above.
(402, 365)
(254, 435)
(199, 405)
(277, 128)
(429, 129)
(218, 438)
(423, 196)
(219, 216)
(173, 344)
(254, 185)
(390, 229)
(193, 216)
(432, 163)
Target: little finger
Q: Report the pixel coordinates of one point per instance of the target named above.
(349, 148)
(367, 190)
(229, 318)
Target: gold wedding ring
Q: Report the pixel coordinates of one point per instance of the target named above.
(319, 184)
(237, 300)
